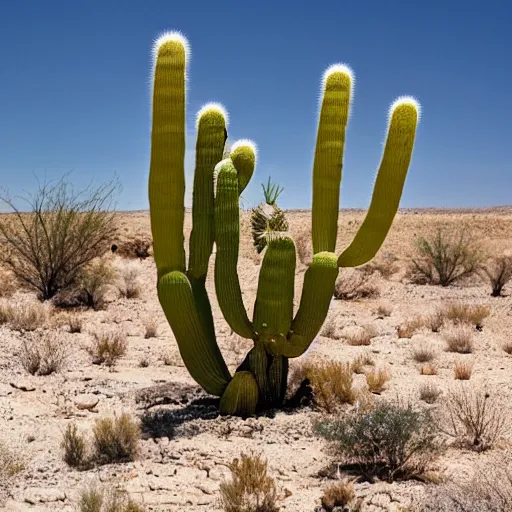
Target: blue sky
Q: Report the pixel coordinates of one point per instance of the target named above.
(74, 93)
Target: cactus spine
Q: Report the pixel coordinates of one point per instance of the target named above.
(277, 333)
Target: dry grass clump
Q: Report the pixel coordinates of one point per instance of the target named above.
(429, 393)
(28, 316)
(75, 323)
(93, 499)
(331, 382)
(116, 439)
(459, 339)
(150, 327)
(475, 418)
(359, 363)
(390, 440)
(251, 489)
(423, 354)
(386, 265)
(74, 445)
(11, 463)
(338, 494)
(129, 285)
(376, 378)
(353, 284)
(462, 370)
(304, 248)
(358, 337)
(407, 329)
(428, 369)
(444, 262)
(108, 346)
(43, 353)
(329, 329)
(499, 272)
(507, 347)
(137, 247)
(435, 320)
(471, 314)
(384, 310)
(8, 284)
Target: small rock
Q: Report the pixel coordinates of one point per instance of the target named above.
(22, 386)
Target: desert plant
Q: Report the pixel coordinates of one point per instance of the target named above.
(251, 489)
(137, 247)
(95, 499)
(75, 323)
(43, 353)
(423, 354)
(390, 441)
(267, 217)
(408, 328)
(358, 337)
(129, 285)
(429, 393)
(360, 362)
(428, 369)
(384, 310)
(338, 494)
(499, 272)
(11, 462)
(507, 347)
(459, 339)
(462, 370)
(260, 381)
(150, 327)
(116, 439)
(28, 316)
(376, 378)
(108, 346)
(442, 262)
(63, 231)
(74, 446)
(353, 284)
(7, 283)
(462, 313)
(476, 418)
(92, 283)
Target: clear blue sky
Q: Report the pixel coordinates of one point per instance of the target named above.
(74, 91)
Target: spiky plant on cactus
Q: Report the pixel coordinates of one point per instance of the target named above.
(267, 217)
(277, 332)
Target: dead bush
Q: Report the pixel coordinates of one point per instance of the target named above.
(477, 419)
(150, 327)
(353, 284)
(338, 494)
(423, 354)
(376, 378)
(75, 323)
(358, 337)
(428, 369)
(385, 265)
(429, 393)
(329, 329)
(43, 353)
(8, 283)
(499, 272)
(459, 339)
(63, 231)
(304, 248)
(507, 347)
(116, 439)
(74, 445)
(138, 247)
(251, 489)
(11, 462)
(442, 261)
(384, 310)
(129, 285)
(94, 499)
(407, 329)
(359, 363)
(24, 317)
(471, 314)
(462, 370)
(435, 320)
(108, 346)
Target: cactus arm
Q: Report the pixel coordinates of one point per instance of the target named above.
(199, 352)
(211, 127)
(328, 162)
(244, 154)
(241, 396)
(313, 308)
(166, 175)
(227, 237)
(404, 116)
(273, 309)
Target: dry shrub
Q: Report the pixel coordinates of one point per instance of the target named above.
(150, 327)
(442, 261)
(250, 488)
(407, 329)
(93, 499)
(108, 346)
(304, 248)
(423, 354)
(75, 446)
(24, 317)
(8, 283)
(11, 462)
(384, 310)
(462, 370)
(507, 347)
(360, 362)
(385, 265)
(358, 337)
(338, 494)
(435, 320)
(354, 284)
(116, 439)
(331, 382)
(75, 323)
(459, 339)
(43, 353)
(390, 440)
(428, 369)
(64, 230)
(429, 393)
(144, 362)
(477, 419)
(329, 329)
(471, 314)
(129, 285)
(138, 247)
(376, 378)
(499, 272)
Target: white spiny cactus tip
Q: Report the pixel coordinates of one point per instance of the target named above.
(218, 167)
(218, 107)
(405, 100)
(246, 142)
(166, 37)
(339, 68)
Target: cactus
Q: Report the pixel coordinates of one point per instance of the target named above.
(277, 333)
(267, 217)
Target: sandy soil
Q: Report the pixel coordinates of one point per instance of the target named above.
(186, 445)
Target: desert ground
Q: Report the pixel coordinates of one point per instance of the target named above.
(185, 445)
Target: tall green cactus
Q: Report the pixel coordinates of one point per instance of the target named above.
(278, 334)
